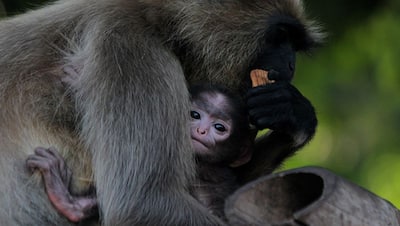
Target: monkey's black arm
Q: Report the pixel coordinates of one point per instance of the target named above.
(292, 120)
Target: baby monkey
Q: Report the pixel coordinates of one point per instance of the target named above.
(221, 139)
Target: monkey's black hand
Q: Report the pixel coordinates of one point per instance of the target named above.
(281, 107)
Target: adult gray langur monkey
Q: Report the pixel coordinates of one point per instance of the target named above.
(121, 123)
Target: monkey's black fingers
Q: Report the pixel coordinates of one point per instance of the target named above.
(280, 110)
(276, 87)
(267, 101)
(263, 89)
(271, 119)
(274, 75)
(264, 123)
(272, 123)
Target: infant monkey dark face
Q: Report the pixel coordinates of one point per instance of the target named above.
(219, 125)
(211, 123)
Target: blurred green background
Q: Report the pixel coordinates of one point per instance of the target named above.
(354, 83)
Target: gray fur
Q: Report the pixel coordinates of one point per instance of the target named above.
(124, 118)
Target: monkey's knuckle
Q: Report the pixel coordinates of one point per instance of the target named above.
(43, 166)
(52, 164)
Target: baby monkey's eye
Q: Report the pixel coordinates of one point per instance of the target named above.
(220, 127)
(195, 114)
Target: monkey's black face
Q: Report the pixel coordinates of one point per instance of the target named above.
(224, 48)
(283, 39)
(279, 60)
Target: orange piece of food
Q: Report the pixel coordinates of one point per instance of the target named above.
(259, 77)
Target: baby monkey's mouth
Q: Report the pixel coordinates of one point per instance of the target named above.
(196, 142)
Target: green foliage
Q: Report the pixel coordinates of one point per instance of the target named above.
(2, 10)
(19, 6)
(354, 83)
